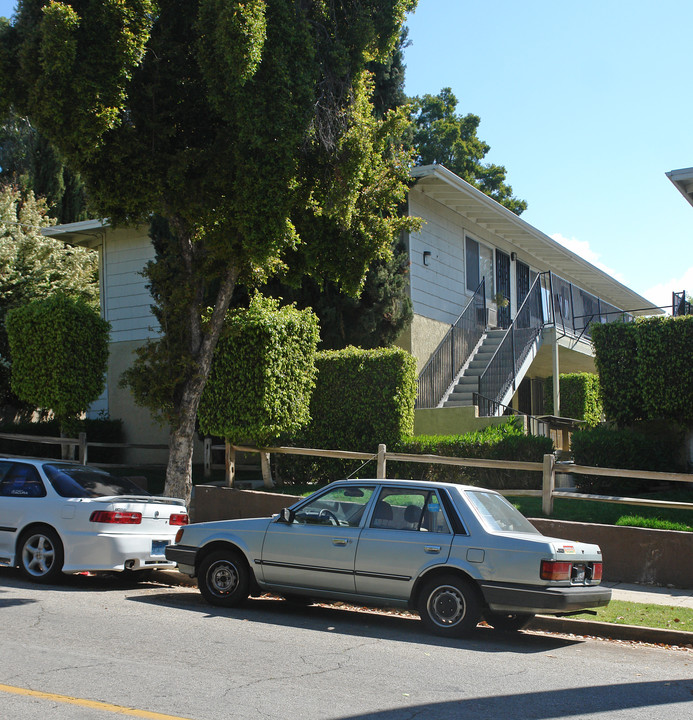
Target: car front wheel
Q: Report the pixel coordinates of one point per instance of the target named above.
(41, 555)
(449, 606)
(223, 578)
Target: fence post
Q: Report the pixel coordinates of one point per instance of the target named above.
(548, 484)
(83, 448)
(382, 462)
(208, 456)
(229, 463)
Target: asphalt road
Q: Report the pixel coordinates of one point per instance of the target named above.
(93, 648)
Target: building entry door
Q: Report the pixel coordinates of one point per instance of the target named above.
(503, 287)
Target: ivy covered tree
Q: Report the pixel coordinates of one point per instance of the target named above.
(226, 118)
(33, 267)
(262, 376)
(443, 136)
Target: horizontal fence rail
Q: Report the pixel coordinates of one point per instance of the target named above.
(549, 468)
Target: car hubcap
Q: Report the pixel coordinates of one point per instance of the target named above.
(446, 606)
(223, 578)
(38, 555)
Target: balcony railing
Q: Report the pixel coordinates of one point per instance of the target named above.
(453, 351)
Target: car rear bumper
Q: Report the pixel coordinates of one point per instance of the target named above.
(184, 556)
(505, 597)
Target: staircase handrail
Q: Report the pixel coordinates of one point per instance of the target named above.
(501, 371)
(453, 351)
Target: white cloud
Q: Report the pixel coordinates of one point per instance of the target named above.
(583, 249)
(660, 294)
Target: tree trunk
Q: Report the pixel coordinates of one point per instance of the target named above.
(266, 470)
(182, 435)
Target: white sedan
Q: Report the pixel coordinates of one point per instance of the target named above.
(60, 517)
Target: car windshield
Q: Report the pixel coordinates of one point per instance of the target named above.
(75, 481)
(498, 514)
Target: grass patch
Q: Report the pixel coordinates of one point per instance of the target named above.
(665, 617)
(609, 513)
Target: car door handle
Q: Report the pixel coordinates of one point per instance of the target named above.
(433, 549)
(340, 542)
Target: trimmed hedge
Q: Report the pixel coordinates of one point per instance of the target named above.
(262, 373)
(362, 398)
(645, 369)
(59, 349)
(580, 397)
(656, 446)
(496, 442)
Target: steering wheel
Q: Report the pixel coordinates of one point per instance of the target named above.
(325, 513)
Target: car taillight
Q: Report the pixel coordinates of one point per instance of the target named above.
(179, 519)
(555, 570)
(116, 517)
(596, 571)
(179, 536)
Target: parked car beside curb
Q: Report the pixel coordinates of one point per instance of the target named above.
(453, 553)
(59, 517)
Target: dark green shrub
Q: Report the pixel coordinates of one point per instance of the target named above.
(496, 442)
(262, 374)
(645, 369)
(59, 349)
(362, 398)
(97, 430)
(655, 446)
(580, 397)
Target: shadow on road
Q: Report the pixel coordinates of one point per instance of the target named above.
(347, 620)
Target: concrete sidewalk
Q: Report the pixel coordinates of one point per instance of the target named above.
(650, 594)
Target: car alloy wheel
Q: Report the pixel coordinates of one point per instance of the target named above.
(41, 555)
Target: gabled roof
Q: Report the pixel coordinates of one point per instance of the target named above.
(87, 233)
(447, 188)
(683, 181)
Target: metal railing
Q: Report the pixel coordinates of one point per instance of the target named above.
(501, 372)
(680, 304)
(453, 351)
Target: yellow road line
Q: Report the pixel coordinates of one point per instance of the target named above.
(92, 704)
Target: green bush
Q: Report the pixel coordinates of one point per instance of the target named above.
(59, 349)
(580, 397)
(262, 374)
(362, 398)
(645, 369)
(655, 446)
(97, 430)
(496, 442)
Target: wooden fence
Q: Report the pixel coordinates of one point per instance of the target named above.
(549, 468)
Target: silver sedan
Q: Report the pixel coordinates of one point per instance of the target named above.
(454, 553)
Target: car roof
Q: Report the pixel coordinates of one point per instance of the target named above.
(412, 483)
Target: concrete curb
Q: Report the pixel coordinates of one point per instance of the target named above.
(611, 631)
(547, 623)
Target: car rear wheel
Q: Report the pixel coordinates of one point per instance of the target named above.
(224, 578)
(41, 555)
(449, 606)
(508, 622)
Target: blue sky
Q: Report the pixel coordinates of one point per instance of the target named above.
(587, 105)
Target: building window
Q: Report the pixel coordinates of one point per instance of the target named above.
(479, 260)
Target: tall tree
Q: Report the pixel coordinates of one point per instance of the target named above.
(30, 162)
(224, 117)
(443, 136)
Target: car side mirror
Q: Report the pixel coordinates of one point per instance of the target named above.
(287, 516)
